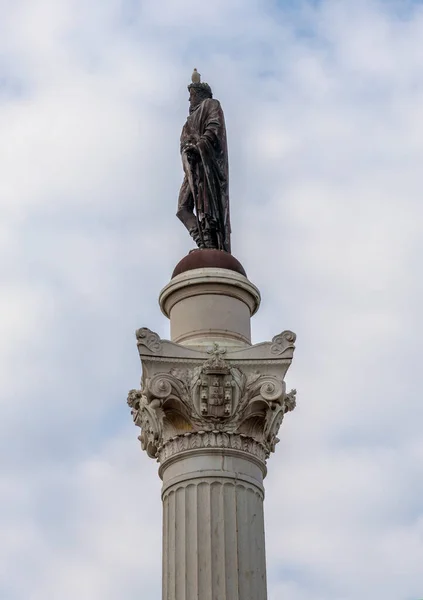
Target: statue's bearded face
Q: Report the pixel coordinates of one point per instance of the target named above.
(195, 98)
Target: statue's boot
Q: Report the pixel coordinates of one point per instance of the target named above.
(195, 234)
(209, 237)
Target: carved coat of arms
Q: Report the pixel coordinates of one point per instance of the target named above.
(216, 392)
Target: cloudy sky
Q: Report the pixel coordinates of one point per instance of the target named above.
(324, 108)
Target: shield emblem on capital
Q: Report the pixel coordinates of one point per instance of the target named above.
(216, 395)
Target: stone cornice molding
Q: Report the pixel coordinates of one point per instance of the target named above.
(209, 281)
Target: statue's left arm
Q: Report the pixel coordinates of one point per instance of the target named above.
(212, 149)
(214, 126)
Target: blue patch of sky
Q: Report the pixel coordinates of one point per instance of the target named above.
(397, 6)
(7, 590)
(12, 86)
(299, 574)
(402, 9)
(301, 11)
(130, 11)
(296, 5)
(298, 15)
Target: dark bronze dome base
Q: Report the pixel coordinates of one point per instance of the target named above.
(208, 258)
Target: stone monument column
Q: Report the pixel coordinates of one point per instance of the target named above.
(210, 407)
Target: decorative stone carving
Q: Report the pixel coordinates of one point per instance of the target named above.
(149, 339)
(283, 342)
(211, 439)
(216, 388)
(149, 418)
(213, 399)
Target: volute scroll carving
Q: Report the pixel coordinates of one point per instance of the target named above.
(283, 342)
(149, 339)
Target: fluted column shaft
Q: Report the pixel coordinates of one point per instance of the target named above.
(209, 407)
(213, 527)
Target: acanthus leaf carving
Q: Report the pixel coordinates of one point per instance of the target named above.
(272, 425)
(149, 417)
(199, 440)
(290, 400)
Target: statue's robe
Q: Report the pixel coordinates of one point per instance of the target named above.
(205, 127)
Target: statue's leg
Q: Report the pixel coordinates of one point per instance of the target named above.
(209, 233)
(185, 212)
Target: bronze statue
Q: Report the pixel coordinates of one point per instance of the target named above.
(203, 204)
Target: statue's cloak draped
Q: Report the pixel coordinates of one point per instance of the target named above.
(205, 127)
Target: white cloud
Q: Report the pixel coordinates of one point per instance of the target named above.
(322, 102)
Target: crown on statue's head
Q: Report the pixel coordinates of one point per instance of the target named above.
(198, 85)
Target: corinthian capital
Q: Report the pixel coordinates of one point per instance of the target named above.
(191, 399)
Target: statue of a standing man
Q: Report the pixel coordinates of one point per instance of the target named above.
(203, 205)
